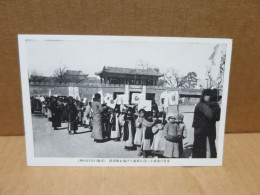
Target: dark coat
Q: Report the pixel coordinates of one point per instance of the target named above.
(56, 114)
(72, 116)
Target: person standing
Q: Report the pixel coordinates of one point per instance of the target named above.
(139, 131)
(172, 136)
(72, 116)
(114, 123)
(202, 123)
(97, 132)
(211, 134)
(129, 129)
(56, 113)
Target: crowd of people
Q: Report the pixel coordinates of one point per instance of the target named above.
(149, 132)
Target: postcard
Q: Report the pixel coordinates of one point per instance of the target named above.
(124, 100)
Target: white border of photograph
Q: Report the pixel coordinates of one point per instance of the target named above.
(38, 161)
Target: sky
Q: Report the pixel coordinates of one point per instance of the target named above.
(43, 57)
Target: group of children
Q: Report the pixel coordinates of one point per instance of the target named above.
(151, 133)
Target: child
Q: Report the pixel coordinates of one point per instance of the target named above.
(139, 131)
(158, 144)
(114, 125)
(129, 129)
(183, 132)
(172, 136)
(121, 119)
(147, 134)
(88, 116)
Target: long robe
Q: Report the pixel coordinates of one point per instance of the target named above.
(129, 131)
(72, 116)
(147, 135)
(56, 114)
(115, 130)
(139, 132)
(97, 132)
(158, 144)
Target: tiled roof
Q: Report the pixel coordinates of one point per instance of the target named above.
(73, 72)
(132, 71)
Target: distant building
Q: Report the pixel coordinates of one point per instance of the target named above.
(74, 76)
(129, 76)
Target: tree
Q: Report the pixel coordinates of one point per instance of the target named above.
(173, 78)
(59, 75)
(190, 80)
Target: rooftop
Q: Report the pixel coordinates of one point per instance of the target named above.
(131, 71)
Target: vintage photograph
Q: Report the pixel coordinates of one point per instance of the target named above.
(124, 100)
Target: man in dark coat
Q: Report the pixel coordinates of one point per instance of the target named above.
(202, 123)
(211, 133)
(72, 116)
(56, 113)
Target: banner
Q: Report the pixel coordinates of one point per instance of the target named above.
(173, 97)
(108, 97)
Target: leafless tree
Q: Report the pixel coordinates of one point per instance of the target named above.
(173, 78)
(59, 74)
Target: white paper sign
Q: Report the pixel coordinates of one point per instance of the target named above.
(145, 104)
(173, 97)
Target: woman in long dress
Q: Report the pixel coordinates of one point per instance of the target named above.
(158, 144)
(139, 131)
(129, 129)
(97, 108)
(114, 123)
(147, 134)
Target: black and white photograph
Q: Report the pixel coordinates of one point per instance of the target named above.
(124, 100)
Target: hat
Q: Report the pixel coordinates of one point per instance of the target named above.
(180, 116)
(171, 115)
(207, 92)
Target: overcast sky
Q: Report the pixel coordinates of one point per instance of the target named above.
(88, 56)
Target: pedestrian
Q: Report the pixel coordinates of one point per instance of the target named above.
(129, 129)
(138, 139)
(97, 132)
(172, 136)
(202, 124)
(88, 116)
(211, 133)
(56, 113)
(147, 134)
(72, 116)
(158, 144)
(183, 131)
(114, 124)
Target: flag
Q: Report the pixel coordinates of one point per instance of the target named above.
(214, 54)
(111, 103)
(135, 98)
(108, 97)
(173, 97)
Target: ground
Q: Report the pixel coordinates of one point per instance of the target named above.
(58, 143)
